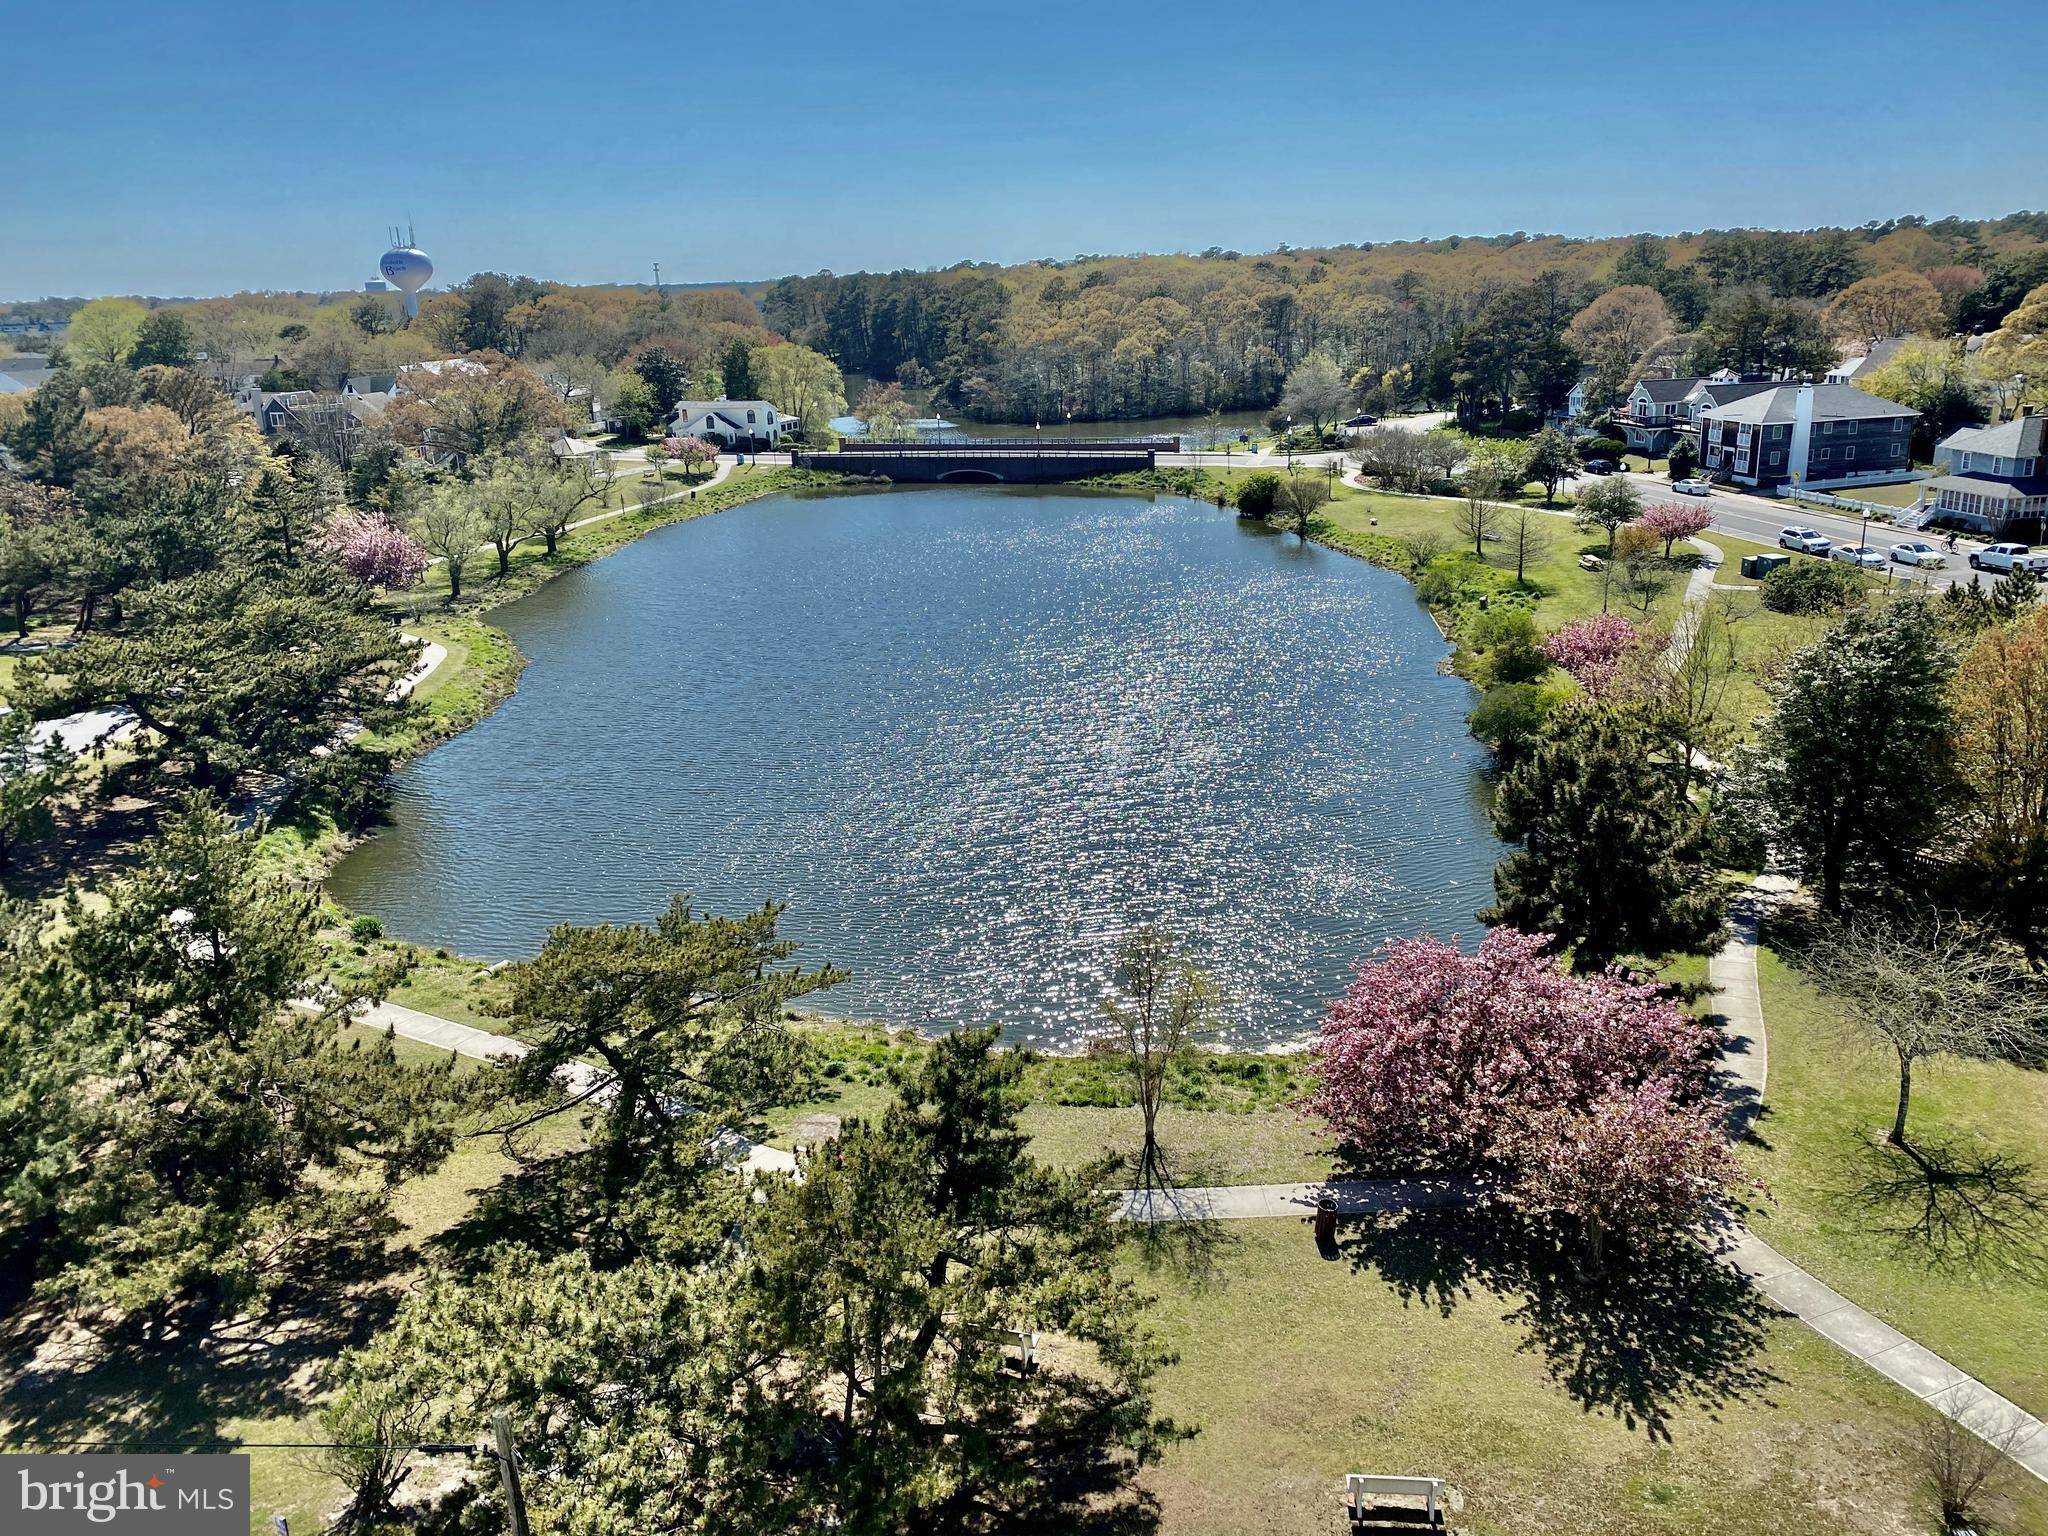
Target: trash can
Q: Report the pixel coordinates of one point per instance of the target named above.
(1326, 1219)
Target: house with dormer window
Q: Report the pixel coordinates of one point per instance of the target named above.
(746, 425)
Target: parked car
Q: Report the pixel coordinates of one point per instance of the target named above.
(1806, 540)
(1363, 419)
(1914, 552)
(2008, 557)
(1859, 555)
(1692, 488)
(1601, 466)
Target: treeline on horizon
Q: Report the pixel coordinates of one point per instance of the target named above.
(1488, 326)
(1454, 322)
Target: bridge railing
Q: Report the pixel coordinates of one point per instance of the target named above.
(1038, 447)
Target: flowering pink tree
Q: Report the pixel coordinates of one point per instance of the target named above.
(1433, 1054)
(1675, 520)
(690, 451)
(1634, 1162)
(374, 551)
(1592, 650)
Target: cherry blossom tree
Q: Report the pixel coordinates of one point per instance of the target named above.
(1592, 650)
(1433, 1054)
(690, 452)
(373, 550)
(1675, 520)
(1635, 1162)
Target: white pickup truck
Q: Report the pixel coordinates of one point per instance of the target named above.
(2009, 557)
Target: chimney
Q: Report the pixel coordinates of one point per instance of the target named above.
(1802, 434)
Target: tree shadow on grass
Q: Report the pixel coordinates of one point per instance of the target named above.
(1666, 1330)
(1951, 1206)
(1183, 1238)
(60, 1381)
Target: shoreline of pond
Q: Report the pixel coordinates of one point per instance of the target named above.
(1198, 485)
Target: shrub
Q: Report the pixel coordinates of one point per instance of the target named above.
(1258, 494)
(1509, 719)
(1513, 646)
(1684, 459)
(366, 928)
(1812, 586)
(1601, 448)
(1592, 650)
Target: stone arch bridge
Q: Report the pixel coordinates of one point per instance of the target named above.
(1028, 461)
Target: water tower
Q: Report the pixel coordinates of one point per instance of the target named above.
(406, 267)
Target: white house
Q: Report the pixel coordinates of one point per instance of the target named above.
(1993, 479)
(748, 424)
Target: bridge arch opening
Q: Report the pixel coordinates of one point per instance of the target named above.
(970, 477)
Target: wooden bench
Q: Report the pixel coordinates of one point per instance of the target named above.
(1363, 1489)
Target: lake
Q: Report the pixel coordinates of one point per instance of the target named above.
(970, 736)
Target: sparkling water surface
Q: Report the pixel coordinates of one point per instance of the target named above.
(970, 736)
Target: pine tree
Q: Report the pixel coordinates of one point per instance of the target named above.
(1612, 859)
(1854, 766)
(235, 1138)
(680, 1026)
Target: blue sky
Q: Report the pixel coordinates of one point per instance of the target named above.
(188, 147)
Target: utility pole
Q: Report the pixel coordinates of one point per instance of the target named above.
(508, 1471)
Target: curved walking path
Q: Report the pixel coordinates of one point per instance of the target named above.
(725, 467)
(1744, 1076)
(482, 1045)
(1745, 1070)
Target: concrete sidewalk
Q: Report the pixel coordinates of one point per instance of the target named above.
(482, 1045)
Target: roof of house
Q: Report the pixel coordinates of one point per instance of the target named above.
(1740, 389)
(1876, 355)
(1985, 485)
(12, 386)
(1666, 391)
(27, 371)
(370, 383)
(1831, 402)
(2020, 438)
(700, 407)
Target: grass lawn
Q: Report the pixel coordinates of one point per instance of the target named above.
(1829, 1102)
(1401, 1354)
(531, 565)
(1904, 495)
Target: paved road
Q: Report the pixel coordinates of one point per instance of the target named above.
(1758, 519)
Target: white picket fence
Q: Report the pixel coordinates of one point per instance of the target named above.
(1901, 517)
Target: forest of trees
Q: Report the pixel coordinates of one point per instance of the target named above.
(1470, 323)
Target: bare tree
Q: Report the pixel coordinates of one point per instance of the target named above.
(1300, 496)
(1479, 517)
(1688, 689)
(1423, 546)
(1443, 449)
(1160, 1009)
(1390, 455)
(1962, 1465)
(1928, 985)
(1645, 575)
(1527, 538)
